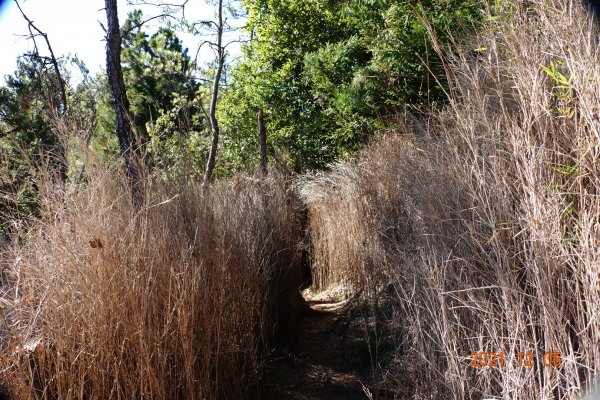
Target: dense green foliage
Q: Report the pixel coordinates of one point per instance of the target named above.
(326, 74)
(329, 74)
(165, 96)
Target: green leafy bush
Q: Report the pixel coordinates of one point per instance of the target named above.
(328, 75)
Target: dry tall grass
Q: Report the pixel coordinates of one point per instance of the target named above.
(177, 301)
(485, 219)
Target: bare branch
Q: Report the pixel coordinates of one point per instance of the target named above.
(212, 45)
(236, 41)
(161, 4)
(62, 147)
(53, 60)
(139, 25)
(169, 8)
(207, 22)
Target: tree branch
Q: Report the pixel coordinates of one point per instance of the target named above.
(136, 26)
(61, 112)
(61, 81)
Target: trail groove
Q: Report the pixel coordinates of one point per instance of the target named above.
(330, 360)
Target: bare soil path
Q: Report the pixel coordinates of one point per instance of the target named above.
(330, 360)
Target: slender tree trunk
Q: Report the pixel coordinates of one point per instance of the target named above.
(124, 130)
(214, 124)
(262, 138)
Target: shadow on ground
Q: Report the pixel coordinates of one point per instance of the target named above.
(331, 359)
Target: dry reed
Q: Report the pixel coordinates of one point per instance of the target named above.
(482, 223)
(177, 301)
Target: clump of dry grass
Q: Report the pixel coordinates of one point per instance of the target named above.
(483, 224)
(177, 301)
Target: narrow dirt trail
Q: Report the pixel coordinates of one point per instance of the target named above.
(329, 362)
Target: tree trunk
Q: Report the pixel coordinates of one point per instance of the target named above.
(262, 138)
(124, 130)
(214, 124)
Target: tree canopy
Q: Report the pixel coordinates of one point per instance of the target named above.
(330, 74)
(326, 75)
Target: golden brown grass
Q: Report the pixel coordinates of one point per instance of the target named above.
(482, 224)
(177, 301)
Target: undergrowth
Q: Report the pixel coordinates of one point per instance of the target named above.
(179, 300)
(481, 223)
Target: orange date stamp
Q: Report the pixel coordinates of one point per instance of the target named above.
(523, 359)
